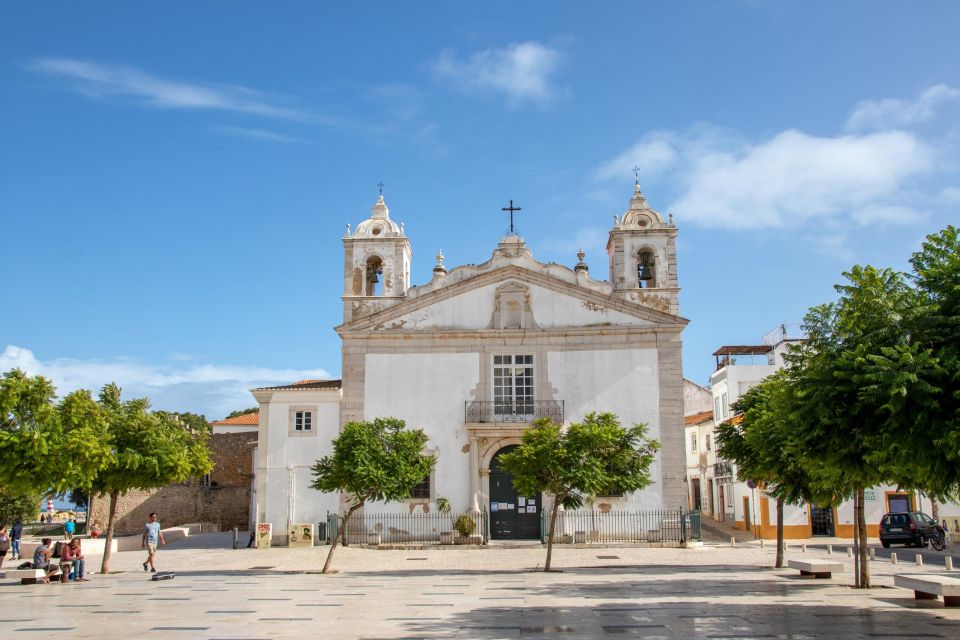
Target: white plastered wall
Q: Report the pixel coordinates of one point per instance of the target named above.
(622, 381)
(428, 391)
(284, 463)
(474, 310)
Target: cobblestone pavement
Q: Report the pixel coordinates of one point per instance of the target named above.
(713, 592)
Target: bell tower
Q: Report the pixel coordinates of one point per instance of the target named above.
(643, 256)
(376, 264)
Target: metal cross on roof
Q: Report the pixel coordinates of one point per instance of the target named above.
(380, 186)
(511, 209)
(636, 174)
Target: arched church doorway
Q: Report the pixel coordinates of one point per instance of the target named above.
(512, 516)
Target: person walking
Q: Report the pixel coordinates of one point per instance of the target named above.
(151, 537)
(73, 554)
(4, 543)
(16, 533)
(69, 528)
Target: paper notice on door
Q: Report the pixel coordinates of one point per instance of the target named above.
(531, 509)
(531, 502)
(506, 506)
(494, 506)
(522, 501)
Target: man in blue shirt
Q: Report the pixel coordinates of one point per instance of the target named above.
(151, 537)
(69, 528)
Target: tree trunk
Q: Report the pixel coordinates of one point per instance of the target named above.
(108, 540)
(340, 535)
(861, 533)
(779, 563)
(553, 523)
(934, 510)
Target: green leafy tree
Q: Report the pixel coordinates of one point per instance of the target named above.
(849, 419)
(15, 505)
(45, 445)
(378, 461)
(761, 441)
(933, 424)
(150, 450)
(242, 412)
(593, 457)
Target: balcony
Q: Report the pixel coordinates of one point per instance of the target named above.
(481, 411)
(722, 469)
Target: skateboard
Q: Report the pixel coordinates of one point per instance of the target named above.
(164, 575)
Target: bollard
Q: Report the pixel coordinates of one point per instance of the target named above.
(803, 548)
(849, 552)
(893, 558)
(919, 560)
(733, 541)
(761, 543)
(236, 538)
(872, 553)
(829, 549)
(948, 561)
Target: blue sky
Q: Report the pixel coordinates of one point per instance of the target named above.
(175, 179)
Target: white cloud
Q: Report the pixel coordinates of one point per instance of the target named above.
(213, 390)
(650, 156)
(950, 195)
(522, 71)
(832, 245)
(883, 215)
(105, 82)
(892, 113)
(785, 181)
(262, 134)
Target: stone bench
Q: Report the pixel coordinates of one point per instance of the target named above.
(26, 576)
(816, 568)
(929, 586)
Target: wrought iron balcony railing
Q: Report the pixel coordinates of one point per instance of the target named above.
(722, 469)
(523, 411)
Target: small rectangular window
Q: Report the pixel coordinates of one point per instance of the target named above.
(303, 421)
(422, 490)
(693, 443)
(707, 442)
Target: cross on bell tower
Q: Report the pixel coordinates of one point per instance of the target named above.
(511, 209)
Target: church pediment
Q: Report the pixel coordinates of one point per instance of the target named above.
(512, 298)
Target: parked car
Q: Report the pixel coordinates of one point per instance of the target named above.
(909, 528)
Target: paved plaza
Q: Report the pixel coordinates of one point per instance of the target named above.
(712, 592)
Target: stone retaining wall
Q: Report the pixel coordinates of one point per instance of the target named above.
(225, 502)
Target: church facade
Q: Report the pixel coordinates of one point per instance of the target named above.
(479, 352)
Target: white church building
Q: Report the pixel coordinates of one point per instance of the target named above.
(474, 356)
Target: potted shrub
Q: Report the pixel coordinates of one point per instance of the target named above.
(464, 526)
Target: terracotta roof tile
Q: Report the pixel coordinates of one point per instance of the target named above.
(697, 418)
(246, 419)
(305, 384)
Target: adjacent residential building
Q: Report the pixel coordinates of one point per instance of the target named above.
(245, 423)
(742, 503)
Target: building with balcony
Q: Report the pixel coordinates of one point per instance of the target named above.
(478, 353)
(742, 503)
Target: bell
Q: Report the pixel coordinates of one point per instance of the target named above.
(373, 277)
(645, 272)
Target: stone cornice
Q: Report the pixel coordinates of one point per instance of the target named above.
(376, 320)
